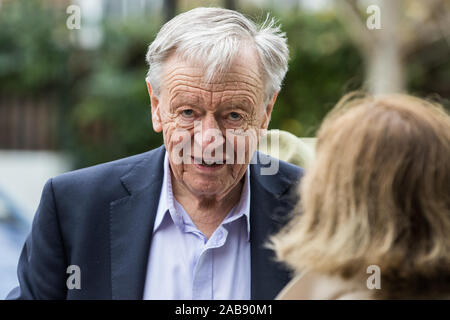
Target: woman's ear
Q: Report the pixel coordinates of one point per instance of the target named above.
(154, 101)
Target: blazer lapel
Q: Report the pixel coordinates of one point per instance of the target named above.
(131, 225)
(272, 199)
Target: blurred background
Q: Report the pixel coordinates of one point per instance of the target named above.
(71, 98)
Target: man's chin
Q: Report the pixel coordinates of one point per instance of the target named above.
(209, 189)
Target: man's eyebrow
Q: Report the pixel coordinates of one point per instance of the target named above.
(183, 97)
(243, 102)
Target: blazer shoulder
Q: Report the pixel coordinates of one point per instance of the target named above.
(108, 170)
(290, 170)
(277, 176)
(105, 181)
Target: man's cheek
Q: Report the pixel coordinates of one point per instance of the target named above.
(180, 147)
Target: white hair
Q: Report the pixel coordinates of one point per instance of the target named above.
(213, 37)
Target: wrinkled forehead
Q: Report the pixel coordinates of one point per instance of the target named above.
(242, 73)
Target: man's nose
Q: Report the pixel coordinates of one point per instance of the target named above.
(210, 131)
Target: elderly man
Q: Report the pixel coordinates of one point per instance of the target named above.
(187, 220)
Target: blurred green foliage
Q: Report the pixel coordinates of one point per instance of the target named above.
(102, 96)
(33, 53)
(113, 95)
(323, 66)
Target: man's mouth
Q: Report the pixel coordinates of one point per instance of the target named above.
(207, 163)
(210, 164)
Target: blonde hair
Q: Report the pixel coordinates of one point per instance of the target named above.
(378, 193)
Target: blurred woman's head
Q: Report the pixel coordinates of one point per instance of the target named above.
(378, 193)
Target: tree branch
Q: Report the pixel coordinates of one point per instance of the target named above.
(351, 18)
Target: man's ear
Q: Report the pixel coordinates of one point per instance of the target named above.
(156, 117)
(268, 111)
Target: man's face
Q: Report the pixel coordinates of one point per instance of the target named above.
(193, 115)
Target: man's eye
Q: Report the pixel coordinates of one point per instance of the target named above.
(188, 113)
(234, 116)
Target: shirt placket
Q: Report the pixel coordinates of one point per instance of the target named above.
(203, 277)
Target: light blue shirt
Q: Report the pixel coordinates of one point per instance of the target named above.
(184, 264)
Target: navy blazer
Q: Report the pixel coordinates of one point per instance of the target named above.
(101, 219)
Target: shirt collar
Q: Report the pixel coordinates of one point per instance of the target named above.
(167, 201)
